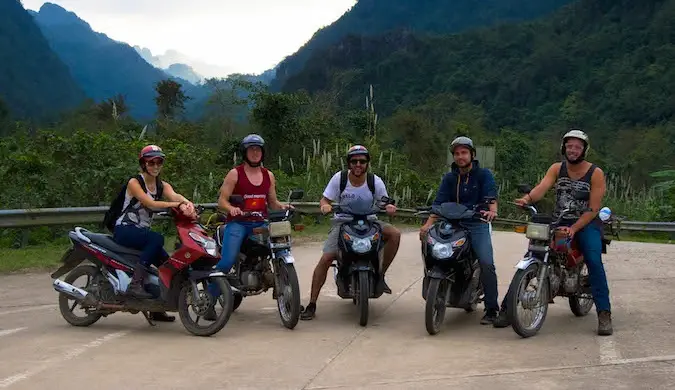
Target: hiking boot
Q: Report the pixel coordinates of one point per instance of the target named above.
(489, 317)
(605, 323)
(502, 321)
(161, 316)
(309, 312)
(135, 288)
(210, 314)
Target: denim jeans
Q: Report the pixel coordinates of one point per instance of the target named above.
(481, 242)
(590, 243)
(150, 243)
(233, 236)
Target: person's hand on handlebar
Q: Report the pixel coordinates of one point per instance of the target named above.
(234, 211)
(188, 209)
(524, 201)
(489, 215)
(326, 208)
(391, 209)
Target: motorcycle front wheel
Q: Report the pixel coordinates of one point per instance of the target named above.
(288, 299)
(362, 297)
(524, 296)
(185, 301)
(435, 307)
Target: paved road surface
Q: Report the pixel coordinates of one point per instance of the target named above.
(38, 349)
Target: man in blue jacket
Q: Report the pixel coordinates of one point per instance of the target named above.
(469, 184)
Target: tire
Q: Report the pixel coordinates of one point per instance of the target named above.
(581, 306)
(221, 320)
(433, 323)
(514, 301)
(238, 298)
(289, 318)
(67, 314)
(363, 297)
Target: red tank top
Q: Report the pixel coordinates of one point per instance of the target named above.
(255, 197)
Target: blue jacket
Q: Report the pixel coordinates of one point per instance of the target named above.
(474, 186)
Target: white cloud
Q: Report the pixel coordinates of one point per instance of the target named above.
(247, 36)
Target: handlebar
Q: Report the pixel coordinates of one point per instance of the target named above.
(378, 206)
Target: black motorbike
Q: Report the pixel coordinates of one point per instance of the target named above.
(265, 261)
(357, 270)
(451, 268)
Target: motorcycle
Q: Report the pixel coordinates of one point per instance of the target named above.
(451, 268)
(265, 261)
(357, 269)
(173, 285)
(553, 266)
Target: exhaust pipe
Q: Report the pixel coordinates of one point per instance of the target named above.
(74, 292)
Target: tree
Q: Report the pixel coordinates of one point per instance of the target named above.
(170, 98)
(112, 108)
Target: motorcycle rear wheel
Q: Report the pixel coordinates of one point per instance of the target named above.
(514, 301)
(66, 310)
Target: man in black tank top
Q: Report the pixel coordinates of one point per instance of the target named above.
(575, 173)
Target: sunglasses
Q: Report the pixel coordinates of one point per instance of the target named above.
(358, 161)
(156, 162)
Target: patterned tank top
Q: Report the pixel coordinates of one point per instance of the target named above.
(255, 197)
(137, 215)
(564, 190)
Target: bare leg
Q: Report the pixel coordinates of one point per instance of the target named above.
(392, 236)
(318, 280)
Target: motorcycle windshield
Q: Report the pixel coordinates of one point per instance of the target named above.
(453, 211)
(358, 208)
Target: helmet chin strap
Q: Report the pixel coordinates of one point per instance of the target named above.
(575, 162)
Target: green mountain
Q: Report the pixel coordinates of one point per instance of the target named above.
(102, 66)
(34, 82)
(375, 17)
(605, 65)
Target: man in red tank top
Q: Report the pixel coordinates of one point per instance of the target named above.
(257, 186)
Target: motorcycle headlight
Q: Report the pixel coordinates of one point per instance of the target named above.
(442, 251)
(458, 243)
(207, 243)
(362, 245)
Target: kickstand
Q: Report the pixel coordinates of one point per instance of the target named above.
(147, 317)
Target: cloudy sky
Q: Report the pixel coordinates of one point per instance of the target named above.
(248, 36)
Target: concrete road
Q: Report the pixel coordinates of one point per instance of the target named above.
(38, 349)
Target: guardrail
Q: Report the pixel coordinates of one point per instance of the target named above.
(22, 218)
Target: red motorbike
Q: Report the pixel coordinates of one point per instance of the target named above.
(174, 284)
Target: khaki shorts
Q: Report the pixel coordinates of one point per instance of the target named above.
(331, 243)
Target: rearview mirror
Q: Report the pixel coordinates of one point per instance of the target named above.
(581, 194)
(296, 194)
(236, 200)
(524, 188)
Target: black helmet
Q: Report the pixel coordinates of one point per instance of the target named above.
(252, 140)
(462, 141)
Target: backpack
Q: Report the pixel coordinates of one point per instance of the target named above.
(370, 179)
(115, 209)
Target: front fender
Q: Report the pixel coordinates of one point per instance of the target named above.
(286, 257)
(524, 263)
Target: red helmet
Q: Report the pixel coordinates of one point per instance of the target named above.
(149, 152)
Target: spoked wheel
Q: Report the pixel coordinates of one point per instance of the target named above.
(67, 304)
(435, 307)
(204, 305)
(581, 304)
(362, 296)
(288, 299)
(524, 286)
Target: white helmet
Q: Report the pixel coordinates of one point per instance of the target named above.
(578, 134)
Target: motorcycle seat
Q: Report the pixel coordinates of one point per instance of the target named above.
(107, 242)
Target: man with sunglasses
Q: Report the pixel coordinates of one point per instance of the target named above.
(469, 184)
(358, 189)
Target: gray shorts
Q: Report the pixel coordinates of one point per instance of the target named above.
(331, 243)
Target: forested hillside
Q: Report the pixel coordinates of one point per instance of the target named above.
(607, 66)
(102, 66)
(375, 17)
(34, 82)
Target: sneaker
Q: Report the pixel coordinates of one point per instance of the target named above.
(502, 321)
(309, 312)
(605, 323)
(489, 317)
